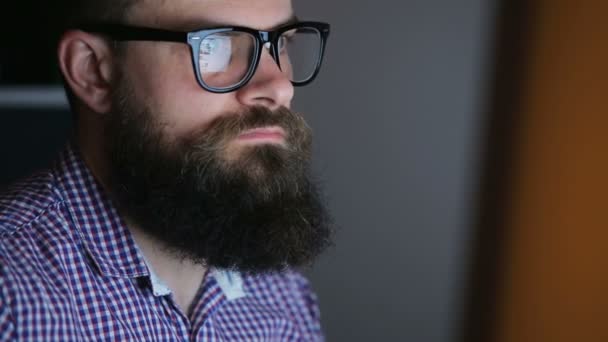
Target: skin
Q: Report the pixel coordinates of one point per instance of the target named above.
(88, 66)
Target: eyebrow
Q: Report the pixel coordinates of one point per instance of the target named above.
(210, 24)
(292, 20)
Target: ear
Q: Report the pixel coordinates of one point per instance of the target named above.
(85, 61)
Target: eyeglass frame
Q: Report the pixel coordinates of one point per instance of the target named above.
(122, 32)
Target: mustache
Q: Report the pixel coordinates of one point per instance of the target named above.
(228, 126)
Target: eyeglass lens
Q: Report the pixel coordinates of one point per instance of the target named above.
(226, 57)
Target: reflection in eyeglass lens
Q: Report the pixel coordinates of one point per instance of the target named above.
(225, 58)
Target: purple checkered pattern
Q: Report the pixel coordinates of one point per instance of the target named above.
(70, 271)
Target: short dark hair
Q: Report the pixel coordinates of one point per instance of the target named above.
(85, 11)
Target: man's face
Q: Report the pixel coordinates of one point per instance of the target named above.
(184, 163)
(164, 74)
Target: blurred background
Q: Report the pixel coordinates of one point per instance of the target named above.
(463, 150)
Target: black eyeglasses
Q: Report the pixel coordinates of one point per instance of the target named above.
(226, 58)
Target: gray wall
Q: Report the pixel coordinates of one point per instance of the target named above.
(396, 111)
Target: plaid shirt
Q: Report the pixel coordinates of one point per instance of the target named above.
(70, 271)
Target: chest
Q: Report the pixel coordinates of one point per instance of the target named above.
(82, 306)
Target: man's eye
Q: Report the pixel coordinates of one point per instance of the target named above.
(216, 52)
(285, 41)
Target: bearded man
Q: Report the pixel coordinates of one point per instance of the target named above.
(184, 203)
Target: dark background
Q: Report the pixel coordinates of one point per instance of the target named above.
(28, 31)
(397, 115)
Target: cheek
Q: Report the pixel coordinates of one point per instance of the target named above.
(165, 81)
(186, 110)
(160, 67)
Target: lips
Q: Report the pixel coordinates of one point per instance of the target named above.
(271, 134)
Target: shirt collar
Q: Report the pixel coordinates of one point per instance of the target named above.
(230, 282)
(102, 231)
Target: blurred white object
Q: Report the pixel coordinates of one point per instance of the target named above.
(52, 97)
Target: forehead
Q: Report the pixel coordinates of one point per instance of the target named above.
(192, 14)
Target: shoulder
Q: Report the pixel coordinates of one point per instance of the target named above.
(292, 292)
(288, 280)
(37, 246)
(24, 203)
(33, 226)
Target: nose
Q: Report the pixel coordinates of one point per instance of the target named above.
(269, 86)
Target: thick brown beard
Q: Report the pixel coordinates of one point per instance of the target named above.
(257, 212)
(212, 143)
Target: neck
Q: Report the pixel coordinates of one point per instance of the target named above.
(183, 277)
